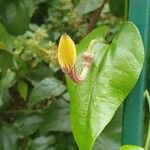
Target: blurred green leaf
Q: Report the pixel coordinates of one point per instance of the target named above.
(94, 101)
(65, 96)
(39, 73)
(23, 89)
(8, 80)
(46, 88)
(40, 143)
(111, 136)
(17, 21)
(131, 147)
(6, 38)
(5, 65)
(117, 7)
(86, 6)
(76, 1)
(1, 101)
(5, 83)
(8, 138)
(5, 100)
(56, 118)
(28, 124)
(65, 142)
(21, 67)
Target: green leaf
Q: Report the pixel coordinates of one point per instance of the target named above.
(5, 83)
(111, 135)
(1, 101)
(17, 21)
(6, 39)
(64, 142)
(39, 73)
(119, 9)
(56, 118)
(131, 147)
(112, 76)
(8, 138)
(5, 65)
(23, 89)
(86, 6)
(98, 33)
(40, 143)
(46, 88)
(5, 100)
(21, 67)
(8, 80)
(28, 124)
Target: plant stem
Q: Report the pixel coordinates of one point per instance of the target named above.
(126, 9)
(148, 135)
(94, 17)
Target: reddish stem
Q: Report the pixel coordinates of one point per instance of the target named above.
(87, 61)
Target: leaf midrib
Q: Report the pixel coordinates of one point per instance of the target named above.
(99, 68)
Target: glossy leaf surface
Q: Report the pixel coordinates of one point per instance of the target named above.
(131, 147)
(112, 76)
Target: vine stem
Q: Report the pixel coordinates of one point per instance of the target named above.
(94, 17)
(126, 9)
(148, 135)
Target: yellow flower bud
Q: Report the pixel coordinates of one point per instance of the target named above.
(66, 53)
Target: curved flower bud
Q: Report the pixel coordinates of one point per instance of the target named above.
(66, 53)
(67, 59)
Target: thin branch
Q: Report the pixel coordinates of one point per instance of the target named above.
(95, 17)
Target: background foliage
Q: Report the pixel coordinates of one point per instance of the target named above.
(34, 102)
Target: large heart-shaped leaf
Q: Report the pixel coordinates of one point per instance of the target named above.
(113, 75)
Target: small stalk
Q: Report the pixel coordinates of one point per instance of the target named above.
(87, 61)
